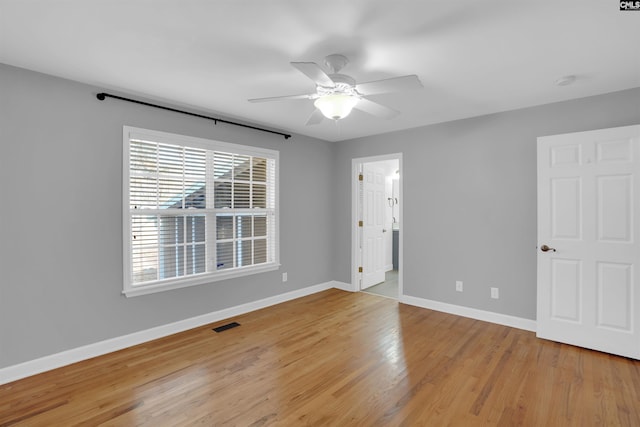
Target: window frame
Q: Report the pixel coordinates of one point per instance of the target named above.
(129, 288)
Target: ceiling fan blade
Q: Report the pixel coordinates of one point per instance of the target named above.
(376, 109)
(394, 84)
(315, 73)
(283, 98)
(315, 118)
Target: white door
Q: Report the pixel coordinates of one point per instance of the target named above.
(588, 239)
(373, 206)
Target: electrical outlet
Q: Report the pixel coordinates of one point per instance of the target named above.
(284, 277)
(459, 285)
(495, 294)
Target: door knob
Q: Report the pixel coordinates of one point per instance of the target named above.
(545, 248)
(384, 230)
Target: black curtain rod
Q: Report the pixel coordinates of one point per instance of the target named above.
(102, 95)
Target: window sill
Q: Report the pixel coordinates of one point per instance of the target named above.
(200, 279)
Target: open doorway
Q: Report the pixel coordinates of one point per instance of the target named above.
(377, 231)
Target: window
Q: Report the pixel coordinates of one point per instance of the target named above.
(196, 211)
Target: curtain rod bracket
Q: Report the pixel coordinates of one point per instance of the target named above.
(103, 95)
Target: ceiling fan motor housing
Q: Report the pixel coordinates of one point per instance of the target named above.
(343, 85)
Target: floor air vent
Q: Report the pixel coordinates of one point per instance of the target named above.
(227, 326)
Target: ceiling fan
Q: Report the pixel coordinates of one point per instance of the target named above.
(337, 94)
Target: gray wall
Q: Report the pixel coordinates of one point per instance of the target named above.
(61, 226)
(470, 210)
(470, 199)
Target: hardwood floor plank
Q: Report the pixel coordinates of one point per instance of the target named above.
(337, 359)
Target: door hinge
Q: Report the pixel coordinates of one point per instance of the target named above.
(360, 177)
(359, 269)
(360, 223)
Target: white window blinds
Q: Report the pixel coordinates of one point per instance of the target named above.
(196, 210)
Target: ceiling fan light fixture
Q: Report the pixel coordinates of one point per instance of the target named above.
(336, 106)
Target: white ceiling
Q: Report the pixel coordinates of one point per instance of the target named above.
(473, 57)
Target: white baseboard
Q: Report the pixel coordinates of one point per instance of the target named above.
(473, 313)
(53, 361)
(343, 286)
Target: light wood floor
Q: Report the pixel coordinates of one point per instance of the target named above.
(336, 359)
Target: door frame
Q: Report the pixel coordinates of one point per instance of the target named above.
(356, 250)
